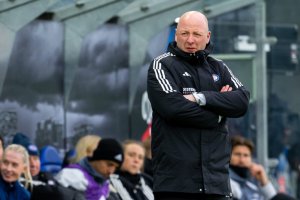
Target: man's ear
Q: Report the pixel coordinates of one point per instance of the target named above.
(208, 37)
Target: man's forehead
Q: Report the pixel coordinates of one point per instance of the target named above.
(241, 149)
(110, 162)
(200, 26)
(191, 29)
(106, 162)
(34, 157)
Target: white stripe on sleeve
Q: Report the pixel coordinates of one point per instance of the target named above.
(234, 79)
(160, 74)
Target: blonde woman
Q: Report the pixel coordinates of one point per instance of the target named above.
(86, 146)
(129, 183)
(15, 162)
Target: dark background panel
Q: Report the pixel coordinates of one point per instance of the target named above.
(98, 102)
(32, 95)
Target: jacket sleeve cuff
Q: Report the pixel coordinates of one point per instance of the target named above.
(268, 191)
(200, 98)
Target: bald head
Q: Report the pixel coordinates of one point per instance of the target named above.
(192, 32)
(193, 17)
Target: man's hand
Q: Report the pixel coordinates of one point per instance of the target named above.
(226, 88)
(259, 173)
(190, 97)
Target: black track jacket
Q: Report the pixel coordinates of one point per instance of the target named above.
(190, 147)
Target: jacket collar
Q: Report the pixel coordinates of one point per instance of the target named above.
(8, 186)
(86, 165)
(200, 55)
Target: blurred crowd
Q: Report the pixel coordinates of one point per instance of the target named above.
(105, 169)
(96, 169)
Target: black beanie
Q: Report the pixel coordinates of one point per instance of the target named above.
(108, 149)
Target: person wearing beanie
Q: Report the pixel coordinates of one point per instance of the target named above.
(90, 175)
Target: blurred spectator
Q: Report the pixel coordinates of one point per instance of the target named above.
(276, 125)
(46, 188)
(293, 129)
(69, 158)
(90, 175)
(293, 157)
(148, 157)
(86, 146)
(282, 173)
(249, 180)
(15, 163)
(35, 167)
(1, 147)
(282, 196)
(129, 182)
(34, 161)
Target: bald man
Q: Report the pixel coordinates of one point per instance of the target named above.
(192, 94)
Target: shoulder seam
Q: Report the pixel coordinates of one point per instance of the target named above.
(162, 56)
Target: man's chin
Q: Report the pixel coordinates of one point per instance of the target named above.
(34, 173)
(190, 50)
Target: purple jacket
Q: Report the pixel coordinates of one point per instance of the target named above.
(97, 185)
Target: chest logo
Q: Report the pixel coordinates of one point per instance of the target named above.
(188, 90)
(216, 77)
(186, 74)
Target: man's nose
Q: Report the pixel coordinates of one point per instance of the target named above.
(136, 159)
(190, 39)
(242, 160)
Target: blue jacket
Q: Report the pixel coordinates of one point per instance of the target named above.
(13, 191)
(248, 189)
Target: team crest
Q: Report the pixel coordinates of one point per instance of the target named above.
(216, 77)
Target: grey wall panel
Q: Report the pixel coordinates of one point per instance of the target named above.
(99, 94)
(33, 86)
